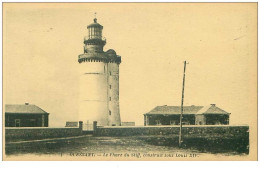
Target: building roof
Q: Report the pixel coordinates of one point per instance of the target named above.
(24, 109)
(172, 110)
(215, 110)
(203, 110)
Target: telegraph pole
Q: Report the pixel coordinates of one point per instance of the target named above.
(182, 99)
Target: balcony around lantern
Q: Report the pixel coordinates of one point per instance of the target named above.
(95, 39)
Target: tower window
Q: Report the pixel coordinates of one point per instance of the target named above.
(109, 98)
(109, 86)
(109, 73)
(109, 112)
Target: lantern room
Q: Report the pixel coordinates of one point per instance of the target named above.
(95, 30)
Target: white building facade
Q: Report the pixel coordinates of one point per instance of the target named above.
(99, 80)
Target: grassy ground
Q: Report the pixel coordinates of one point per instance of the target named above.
(213, 144)
(205, 144)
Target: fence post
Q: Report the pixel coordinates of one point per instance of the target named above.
(94, 127)
(81, 125)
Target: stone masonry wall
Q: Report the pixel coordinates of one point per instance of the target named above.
(165, 130)
(37, 133)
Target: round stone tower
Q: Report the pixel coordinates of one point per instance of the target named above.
(99, 80)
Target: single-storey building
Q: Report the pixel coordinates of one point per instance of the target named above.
(72, 124)
(192, 115)
(127, 123)
(25, 115)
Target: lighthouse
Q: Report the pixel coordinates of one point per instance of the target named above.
(98, 80)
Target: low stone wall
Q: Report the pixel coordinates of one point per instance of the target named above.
(166, 130)
(37, 133)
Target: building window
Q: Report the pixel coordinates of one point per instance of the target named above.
(158, 122)
(109, 112)
(109, 86)
(110, 73)
(17, 123)
(173, 123)
(104, 69)
(109, 98)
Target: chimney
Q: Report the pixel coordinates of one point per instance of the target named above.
(213, 104)
(26, 103)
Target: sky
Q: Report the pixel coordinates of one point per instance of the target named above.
(41, 44)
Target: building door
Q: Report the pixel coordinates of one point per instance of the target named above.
(17, 123)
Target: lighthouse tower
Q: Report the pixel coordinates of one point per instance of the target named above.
(99, 80)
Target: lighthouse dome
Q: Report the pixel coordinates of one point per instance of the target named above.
(95, 25)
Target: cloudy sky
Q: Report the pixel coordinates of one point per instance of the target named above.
(41, 44)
